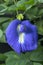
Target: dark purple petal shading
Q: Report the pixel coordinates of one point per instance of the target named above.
(27, 24)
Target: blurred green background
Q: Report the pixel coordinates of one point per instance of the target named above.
(32, 10)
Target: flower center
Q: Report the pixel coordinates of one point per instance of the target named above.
(18, 28)
(21, 38)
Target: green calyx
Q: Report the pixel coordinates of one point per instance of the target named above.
(20, 16)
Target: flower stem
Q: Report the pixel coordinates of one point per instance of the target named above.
(27, 9)
(16, 6)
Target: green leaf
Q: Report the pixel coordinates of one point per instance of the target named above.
(2, 19)
(5, 25)
(5, 22)
(2, 57)
(17, 56)
(3, 8)
(26, 2)
(15, 59)
(32, 13)
(14, 8)
(2, 64)
(37, 56)
(21, 2)
(21, 5)
(8, 2)
(12, 61)
(34, 63)
(41, 12)
(40, 26)
(24, 59)
(40, 1)
(17, 6)
(31, 2)
(1, 33)
(2, 39)
(2, 13)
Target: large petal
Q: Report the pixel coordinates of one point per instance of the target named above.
(31, 29)
(12, 35)
(29, 43)
(16, 46)
(27, 24)
(35, 33)
(31, 38)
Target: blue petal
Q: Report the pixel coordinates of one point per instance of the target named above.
(29, 43)
(31, 28)
(27, 23)
(16, 47)
(21, 28)
(35, 33)
(12, 35)
(31, 38)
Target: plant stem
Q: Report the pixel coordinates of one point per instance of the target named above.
(16, 6)
(27, 9)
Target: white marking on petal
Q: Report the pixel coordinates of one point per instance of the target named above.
(18, 28)
(21, 38)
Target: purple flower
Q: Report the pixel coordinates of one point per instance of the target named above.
(22, 36)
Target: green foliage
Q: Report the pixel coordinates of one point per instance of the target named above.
(2, 57)
(40, 26)
(37, 56)
(14, 59)
(31, 58)
(3, 27)
(40, 1)
(3, 8)
(33, 10)
(37, 64)
(3, 19)
(1, 33)
(2, 64)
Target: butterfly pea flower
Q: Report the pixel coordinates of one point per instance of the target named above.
(22, 36)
